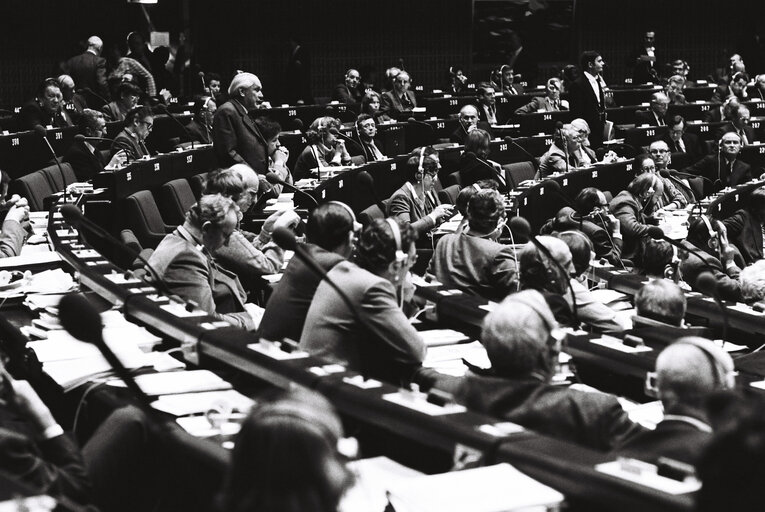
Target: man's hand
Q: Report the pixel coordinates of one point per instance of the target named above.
(29, 404)
(442, 211)
(18, 213)
(288, 219)
(119, 159)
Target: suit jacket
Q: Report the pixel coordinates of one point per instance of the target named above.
(751, 135)
(484, 118)
(126, 142)
(714, 114)
(729, 174)
(476, 265)
(113, 112)
(632, 222)
(459, 136)
(403, 205)
(88, 72)
(692, 146)
(584, 103)
(237, 140)
(288, 305)
(604, 243)
(554, 160)
(191, 274)
(85, 164)
(244, 259)
(199, 133)
(746, 233)
(32, 114)
(505, 90)
(595, 420)
(345, 94)
(727, 280)
(673, 438)
(723, 92)
(647, 117)
(542, 104)
(386, 344)
(391, 104)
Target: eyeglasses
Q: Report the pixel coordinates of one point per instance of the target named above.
(649, 168)
(659, 151)
(148, 125)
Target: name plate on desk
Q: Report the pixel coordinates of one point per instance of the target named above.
(418, 402)
(274, 352)
(616, 344)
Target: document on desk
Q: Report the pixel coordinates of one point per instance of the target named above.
(35, 257)
(497, 488)
(441, 337)
(198, 403)
(171, 383)
(374, 477)
(616, 344)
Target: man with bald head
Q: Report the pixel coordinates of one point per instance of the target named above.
(88, 70)
(399, 102)
(675, 193)
(348, 91)
(468, 121)
(522, 340)
(236, 137)
(656, 114)
(687, 372)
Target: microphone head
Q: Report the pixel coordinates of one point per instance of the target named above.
(80, 318)
(298, 124)
(366, 179)
(558, 125)
(520, 226)
(40, 130)
(553, 185)
(79, 137)
(656, 233)
(201, 74)
(509, 139)
(273, 178)
(411, 120)
(72, 215)
(664, 173)
(334, 131)
(707, 284)
(284, 238)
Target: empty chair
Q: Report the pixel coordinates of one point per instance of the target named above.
(519, 172)
(175, 199)
(371, 213)
(133, 262)
(57, 180)
(453, 180)
(35, 187)
(449, 194)
(144, 219)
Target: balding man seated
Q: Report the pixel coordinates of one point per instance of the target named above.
(686, 373)
(468, 121)
(472, 260)
(522, 340)
(655, 115)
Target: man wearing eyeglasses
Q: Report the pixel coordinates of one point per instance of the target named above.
(400, 101)
(680, 141)
(138, 125)
(550, 103)
(674, 196)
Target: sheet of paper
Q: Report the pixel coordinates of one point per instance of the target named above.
(169, 383)
(199, 403)
(418, 403)
(440, 337)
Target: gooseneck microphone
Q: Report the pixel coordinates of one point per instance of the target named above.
(285, 239)
(512, 142)
(204, 84)
(82, 138)
(657, 233)
(368, 182)
(555, 187)
(708, 285)
(274, 179)
(74, 217)
(523, 228)
(162, 107)
(42, 132)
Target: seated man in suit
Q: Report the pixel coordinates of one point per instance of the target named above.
(687, 372)
(381, 342)
(708, 238)
(128, 95)
(487, 103)
(366, 127)
(138, 125)
(759, 87)
(399, 102)
(722, 169)
(523, 340)
(736, 88)
(200, 128)
(184, 260)
(676, 193)
(660, 302)
(550, 103)
(46, 109)
(745, 227)
(655, 115)
(83, 155)
(680, 141)
(330, 234)
(468, 120)
(737, 116)
(349, 92)
(473, 260)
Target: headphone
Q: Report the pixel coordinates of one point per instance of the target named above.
(354, 222)
(401, 256)
(420, 171)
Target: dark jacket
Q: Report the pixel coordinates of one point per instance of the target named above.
(32, 115)
(88, 72)
(647, 117)
(728, 174)
(126, 142)
(595, 420)
(727, 281)
(751, 135)
(84, 163)
(237, 140)
(604, 243)
(692, 147)
(345, 94)
(673, 438)
(584, 103)
(632, 222)
(745, 232)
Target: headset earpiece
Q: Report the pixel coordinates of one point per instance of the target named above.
(401, 256)
(420, 171)
(354, 222)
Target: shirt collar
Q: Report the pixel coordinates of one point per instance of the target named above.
(695, 422)
(591, 77)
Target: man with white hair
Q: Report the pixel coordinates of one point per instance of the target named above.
(236, 138)
(687, 371)
(88, 70)
(550, 103)
(400, 101)
(656, 114)
(522, 340)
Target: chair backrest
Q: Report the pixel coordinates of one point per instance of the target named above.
(128, 238)
(144, 219)
(371, 213)
(453, 180)
(35, 187)
(449, 194)
(520, 171)
(60, 178)
(175, 199)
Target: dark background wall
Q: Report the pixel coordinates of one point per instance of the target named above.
(429, 35)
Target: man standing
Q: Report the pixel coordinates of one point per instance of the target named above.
(400, 101)
(645, 61)
(236, 138)
(348, 91)
(588, 97)
(88, 70)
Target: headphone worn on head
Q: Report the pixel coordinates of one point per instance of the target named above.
(420, 171)
(401, 256)
(722, 377)
(354, 222)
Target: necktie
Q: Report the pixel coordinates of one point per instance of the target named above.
(512, 89)
(680, 146)
(744, 140)
(405, 100)
(601, 96)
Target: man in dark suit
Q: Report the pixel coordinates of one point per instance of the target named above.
(131, 140)
(468, 121)
(83, 155)
(745, 227)
(399, 102)
(550, 103)
(46, 109)
(644, 61)
(487, 104)
(236, 138)
(737, 116)
(655, 115)
(687, 371)
(679, 141)
(348, 91)
(330, 233)
(736, 88)
(587, 95)
(88, 69)
(723, 169)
